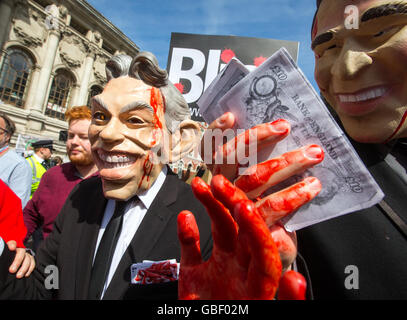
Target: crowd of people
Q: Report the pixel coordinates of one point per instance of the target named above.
(117, 204)
(42, 202)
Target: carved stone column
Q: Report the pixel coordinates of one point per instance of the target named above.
(6, 9)
(87, 72)
(43, 81)
(54, 35)
(74, 98)
(32, 90)
(36, 118)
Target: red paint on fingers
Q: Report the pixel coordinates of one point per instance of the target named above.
(188, 235)
(187, 229)
(280, 204)
(236, 151)
(224, 228)
(270, 133)
(226, 192)
(253, 226)
(262, 176)
(262, 135)
(265, 264)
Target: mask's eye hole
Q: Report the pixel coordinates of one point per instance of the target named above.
(99, 116)
(384, 31)
(135, 120)
(379, 34)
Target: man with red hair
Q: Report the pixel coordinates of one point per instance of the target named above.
(57, 182)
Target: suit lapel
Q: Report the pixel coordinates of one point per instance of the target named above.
(90, 218)
(148, 233)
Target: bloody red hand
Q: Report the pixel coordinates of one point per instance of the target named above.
(245, 263)
(260, 177)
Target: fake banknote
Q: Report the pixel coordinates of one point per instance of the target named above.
(278, 89)
(231, 74)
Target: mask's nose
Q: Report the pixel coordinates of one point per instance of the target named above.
(351, 62)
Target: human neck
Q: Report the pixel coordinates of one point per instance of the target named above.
(38, 155)
(86, 171)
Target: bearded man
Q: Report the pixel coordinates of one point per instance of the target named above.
(58, 182)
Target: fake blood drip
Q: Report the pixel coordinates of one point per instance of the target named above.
(403, 119)
(147, 167)
(156, 102)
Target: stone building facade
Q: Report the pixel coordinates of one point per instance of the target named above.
(53, 56)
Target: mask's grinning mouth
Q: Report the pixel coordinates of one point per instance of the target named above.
(364, 96)
(113, 160)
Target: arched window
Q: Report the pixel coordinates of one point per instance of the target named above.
(94, 91)
(15, 76)
(59, 95)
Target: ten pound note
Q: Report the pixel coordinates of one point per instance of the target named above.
(278, 89)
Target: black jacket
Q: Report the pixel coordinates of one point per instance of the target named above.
(71, 245)
(367, 239)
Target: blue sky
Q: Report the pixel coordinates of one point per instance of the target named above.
(149, 23)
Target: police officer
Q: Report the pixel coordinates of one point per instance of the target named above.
(39, 161)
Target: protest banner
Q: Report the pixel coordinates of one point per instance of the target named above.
(194, 60)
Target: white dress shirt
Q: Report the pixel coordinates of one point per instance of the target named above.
(134, 214)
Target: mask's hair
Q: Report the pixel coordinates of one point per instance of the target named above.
(117, 66)
(145, 67)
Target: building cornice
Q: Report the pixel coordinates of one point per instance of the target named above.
(83, 11)
(82, 7)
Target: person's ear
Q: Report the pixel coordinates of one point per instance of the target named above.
(186, 137)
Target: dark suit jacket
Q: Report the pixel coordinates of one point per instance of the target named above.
(72, 242)
(366, 239)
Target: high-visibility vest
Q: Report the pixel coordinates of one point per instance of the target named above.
(38, 170)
